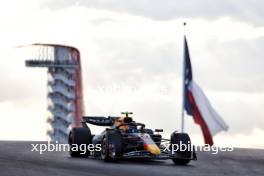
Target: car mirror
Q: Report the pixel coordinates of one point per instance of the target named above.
(158, 130)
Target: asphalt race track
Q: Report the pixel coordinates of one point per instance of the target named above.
(17, 159)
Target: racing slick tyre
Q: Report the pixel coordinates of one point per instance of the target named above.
(111, 146)
(184, 156)
(78, 137)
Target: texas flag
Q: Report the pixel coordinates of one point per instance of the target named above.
(197, 105)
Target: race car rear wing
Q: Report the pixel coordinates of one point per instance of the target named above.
(99, 120)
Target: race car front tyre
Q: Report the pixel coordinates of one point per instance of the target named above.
(178, 140)
(111, 146)
(79, 139)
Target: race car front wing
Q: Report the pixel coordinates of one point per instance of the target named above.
(162, 156)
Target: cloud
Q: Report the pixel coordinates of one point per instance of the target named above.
(18, 84)
(239, 64)
(22, 121)
(171, 9)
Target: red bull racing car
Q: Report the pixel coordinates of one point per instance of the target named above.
(126, 139)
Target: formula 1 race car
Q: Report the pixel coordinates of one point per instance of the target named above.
(126, 139)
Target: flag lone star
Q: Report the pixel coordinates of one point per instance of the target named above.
(196, 104)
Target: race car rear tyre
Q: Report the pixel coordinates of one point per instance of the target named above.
(78, 137)
(111, 146)
(184, 155)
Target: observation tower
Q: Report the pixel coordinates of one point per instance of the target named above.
(65, 99)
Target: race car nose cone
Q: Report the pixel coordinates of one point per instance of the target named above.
(152, 148)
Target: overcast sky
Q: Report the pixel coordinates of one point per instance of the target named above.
(132, 61)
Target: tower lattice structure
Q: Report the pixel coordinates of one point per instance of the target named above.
(64, 91)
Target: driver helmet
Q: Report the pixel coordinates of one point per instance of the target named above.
(123, 120)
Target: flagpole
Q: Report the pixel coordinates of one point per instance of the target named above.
(183, 85)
